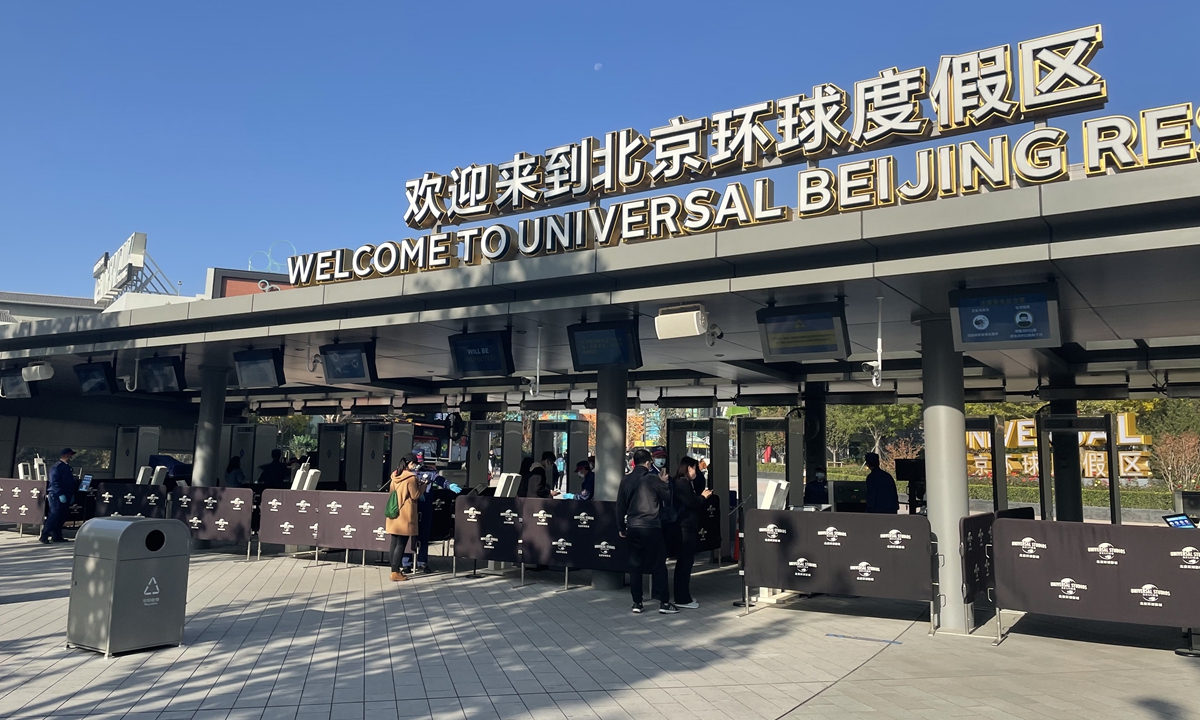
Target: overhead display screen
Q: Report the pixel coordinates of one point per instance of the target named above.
(97, 378)
(803, 332)
(482, 354)
(161, 375)
(1000, 318)
(259, 368)
(605, 344)
(348, 362)
(13, 386)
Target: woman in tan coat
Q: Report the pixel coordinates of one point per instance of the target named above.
(401, 528)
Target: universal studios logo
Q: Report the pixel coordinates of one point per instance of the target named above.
(584, 520)
(489, 541)
(1190, 556)
(1107, 552)
(804, 567)
(1068, 589)
(508, 517)
(472, 514)
(772, 532)
(831, 535)
(1150, 595)
(1029, 547)
(604, 549)
(895, 539)
(542, 516)
(864, 570)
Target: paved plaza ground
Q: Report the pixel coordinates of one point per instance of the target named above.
(277, 640)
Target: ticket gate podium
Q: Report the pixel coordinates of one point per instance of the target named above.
(748, 430)
(479, 447)
(135, 445)
(545, 433)
(366, 455)
(989, 432)
(331, 440)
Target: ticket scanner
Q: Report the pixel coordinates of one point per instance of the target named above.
(505, 438)
(546, 436)
(749, 429)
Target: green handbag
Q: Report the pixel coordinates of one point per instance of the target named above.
(393, 506)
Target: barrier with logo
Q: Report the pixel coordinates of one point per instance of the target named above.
(214, 513)
(289, 517)
(352, 521)
(442, 525)
(1119, 573)
(978, 574)
(127, 499)
(22, 501)
(709, 534)
(574, 534)
(886, 556)
(488, 528)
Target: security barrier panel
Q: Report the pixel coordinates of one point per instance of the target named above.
(289, 517)
(977, 569)
(441, 501)
(129, 500)
(214, 513)
(351, 520)
(488, 528)
(887, 556)
(575, 534)
(711, 519)
(1119, 573)
(22, 501)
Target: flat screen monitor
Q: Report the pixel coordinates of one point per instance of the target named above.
(348, 363)
(161, 375)
(1005, 318)
(85, 484)
(259, 368)
(14, 387)
(1180, 521)
(98, 378)
(605, 345)
(482, 354)
(804, 332)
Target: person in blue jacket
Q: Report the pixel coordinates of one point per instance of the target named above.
(60, 490)
(881, 488)
(427, 476)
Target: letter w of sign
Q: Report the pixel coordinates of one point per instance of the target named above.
(300, 269)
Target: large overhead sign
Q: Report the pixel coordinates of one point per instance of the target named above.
(114, 272)
(969, 92)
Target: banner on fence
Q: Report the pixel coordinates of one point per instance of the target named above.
(130, 500)
(289, 517)
(977, 569)
(488, 528)
(862, 554)
(1119, 573)
(214, 513)
(352, 521)
(22, 501)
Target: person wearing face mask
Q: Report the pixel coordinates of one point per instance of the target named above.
(816, 490)
(587, 479)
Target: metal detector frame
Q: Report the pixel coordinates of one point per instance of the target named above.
(999, 452)
(1047, 424)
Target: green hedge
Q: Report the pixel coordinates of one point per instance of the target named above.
(1092, 497)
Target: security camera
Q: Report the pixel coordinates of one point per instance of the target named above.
(714, 334)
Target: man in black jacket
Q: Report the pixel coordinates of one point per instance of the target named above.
(642, 496)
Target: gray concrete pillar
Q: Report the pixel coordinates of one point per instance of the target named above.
(814, 429)
(1068, 475)
(945, 463)
(207, 467)
(611, 409)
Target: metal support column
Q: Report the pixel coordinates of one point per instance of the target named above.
(206, 471)
(945, 461)
(611, 409)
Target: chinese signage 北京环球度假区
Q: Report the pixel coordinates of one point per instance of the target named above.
(1046, 76)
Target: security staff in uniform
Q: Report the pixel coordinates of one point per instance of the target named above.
(427, 476)
(60, 490)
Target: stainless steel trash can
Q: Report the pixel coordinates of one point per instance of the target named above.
(129, 584)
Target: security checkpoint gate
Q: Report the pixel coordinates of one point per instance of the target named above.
(135, 445)
(1047, 424)
(545, 435)
(714, 522)
(331, 438)
(366, 453)
(991, 430)
(748, 429)
(402, 442)
(479, 449)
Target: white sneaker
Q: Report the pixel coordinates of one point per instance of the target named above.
(693, 605)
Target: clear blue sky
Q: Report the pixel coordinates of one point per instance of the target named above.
(219, 128)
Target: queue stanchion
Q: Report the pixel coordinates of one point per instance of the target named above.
(1190, 649)
(741, 540)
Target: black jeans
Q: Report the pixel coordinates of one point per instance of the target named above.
(681, 543)
(399, 542)
(647, 552)
(53, 524)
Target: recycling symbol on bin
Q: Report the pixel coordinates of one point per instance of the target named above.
(151, 587)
